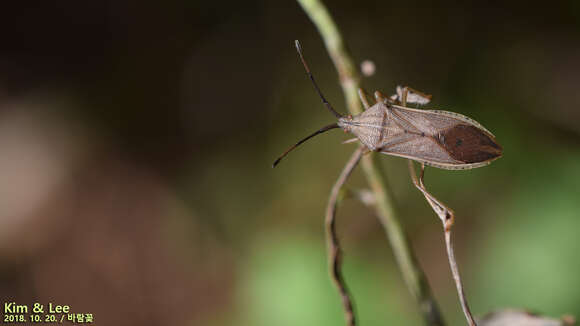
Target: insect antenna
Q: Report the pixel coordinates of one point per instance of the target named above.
(324, 101)
(323, 129)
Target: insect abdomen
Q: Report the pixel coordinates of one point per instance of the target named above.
(469, 144)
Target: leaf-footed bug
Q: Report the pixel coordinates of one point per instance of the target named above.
(441, 139)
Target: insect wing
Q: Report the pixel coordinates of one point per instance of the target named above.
(441, 139)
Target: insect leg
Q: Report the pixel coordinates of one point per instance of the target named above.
(408, 94)
(445, 213)
(348, 141)
(379, 96)
(334, 251)
(363, 98)
(403, 95)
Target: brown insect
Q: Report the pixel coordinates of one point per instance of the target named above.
(442, 139)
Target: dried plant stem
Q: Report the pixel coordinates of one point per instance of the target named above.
(447, 217)
(412, 274)
(334, 251)
(457, 278)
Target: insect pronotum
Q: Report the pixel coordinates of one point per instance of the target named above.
(442, 139)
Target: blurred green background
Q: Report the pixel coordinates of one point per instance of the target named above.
(136, 141)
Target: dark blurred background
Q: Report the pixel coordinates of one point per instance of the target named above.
(136, 141)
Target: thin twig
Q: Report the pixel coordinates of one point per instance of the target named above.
(411, 271)
(457, 278)
(447, 217)
(334, 250)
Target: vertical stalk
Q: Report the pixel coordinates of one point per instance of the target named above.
(350, 81)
